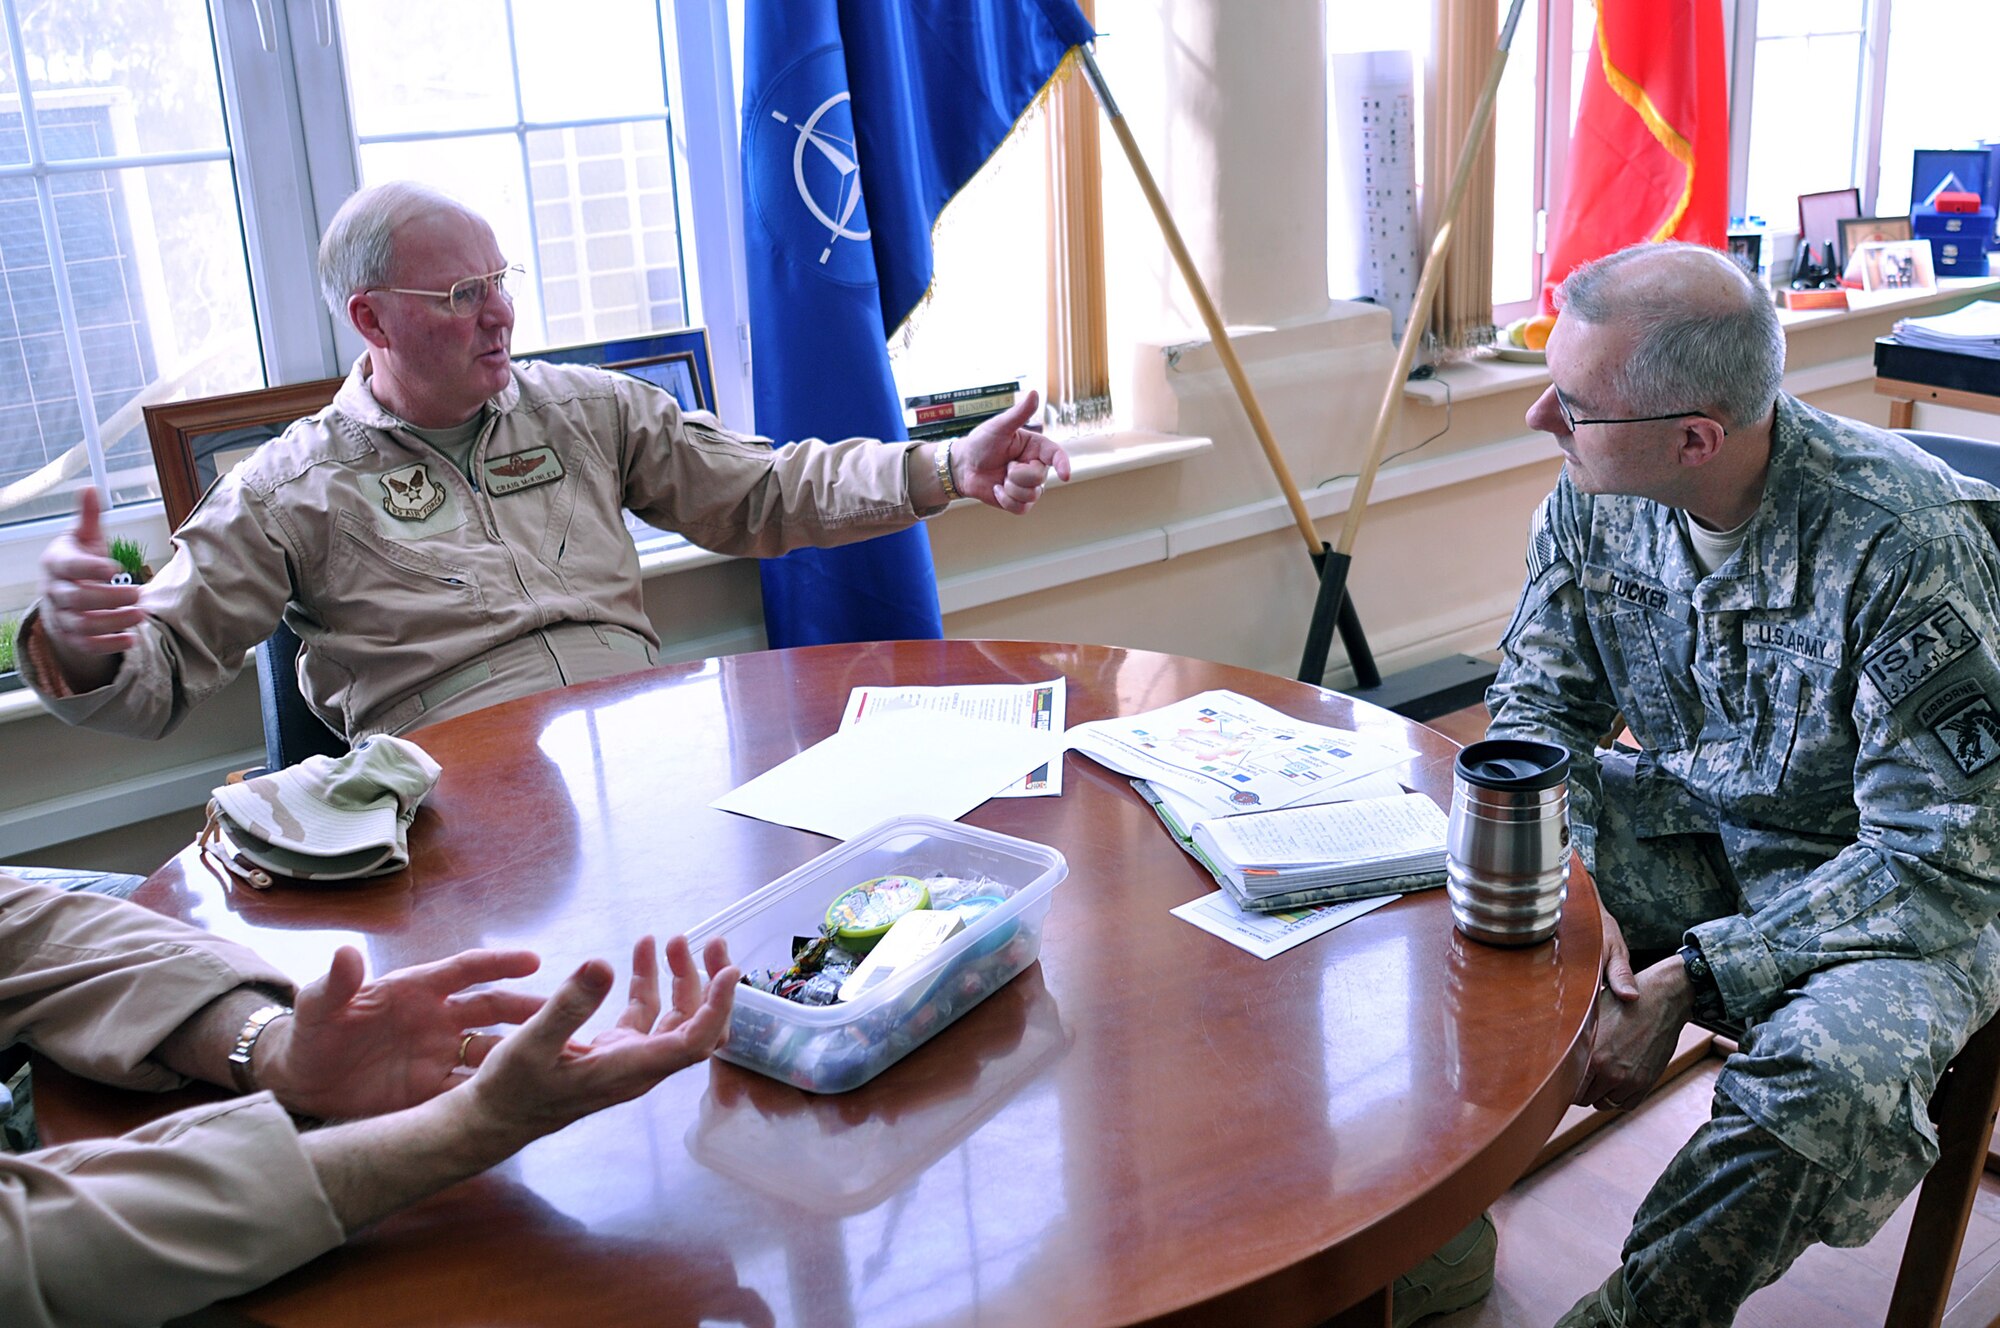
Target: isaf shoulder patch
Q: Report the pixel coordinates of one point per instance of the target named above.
(1901, 665)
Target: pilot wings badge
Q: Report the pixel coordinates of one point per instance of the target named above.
(409, 495)
(522, 470)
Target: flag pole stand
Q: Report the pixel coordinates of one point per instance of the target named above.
(1332, 609)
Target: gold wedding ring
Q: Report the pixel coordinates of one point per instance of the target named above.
(464, 1047)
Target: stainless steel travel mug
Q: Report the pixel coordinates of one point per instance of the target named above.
(1507, 842)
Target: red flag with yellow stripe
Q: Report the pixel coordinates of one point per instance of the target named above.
(1649, 159)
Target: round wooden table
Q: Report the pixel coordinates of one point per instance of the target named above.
(1149, 1125)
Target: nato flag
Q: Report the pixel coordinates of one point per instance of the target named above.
(861, 119)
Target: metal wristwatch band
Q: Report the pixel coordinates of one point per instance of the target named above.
(253, 1028)
(1701, 979)
(951, 493)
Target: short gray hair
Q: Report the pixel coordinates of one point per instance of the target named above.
(1719, 350)
(358, 248)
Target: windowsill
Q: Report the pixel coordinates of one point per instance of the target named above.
(1485, 375)
(18, 704)
(1948, 288)
(1092, 456)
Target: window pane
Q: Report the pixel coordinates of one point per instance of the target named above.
(413, 66)
(120, 79)
(1514, 165)
(987, 316)
(150, 329)
(1582, 50)
(607, 237)
(13, 139)
(1800, 18)
(1802, 122)
(588, 209)
(1920, 108)
(580, 71)
(485, 174)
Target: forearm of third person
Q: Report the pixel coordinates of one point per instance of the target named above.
(372, 1168)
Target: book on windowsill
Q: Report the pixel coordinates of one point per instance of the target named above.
(1010, 387)
(1380, 846)
(954, 428)
(958, 410)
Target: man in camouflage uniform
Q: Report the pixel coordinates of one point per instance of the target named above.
(1797, 617)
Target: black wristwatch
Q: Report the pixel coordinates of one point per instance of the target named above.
(1707, 996)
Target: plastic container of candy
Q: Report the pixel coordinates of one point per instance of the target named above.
(830, 1049)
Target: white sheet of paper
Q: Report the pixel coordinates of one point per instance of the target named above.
(1268, 934)
(895, 765)
(1033, 705)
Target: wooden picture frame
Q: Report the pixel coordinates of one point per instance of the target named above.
(1857, 231)
(196, 442)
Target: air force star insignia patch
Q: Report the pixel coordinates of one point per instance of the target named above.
(409, 495)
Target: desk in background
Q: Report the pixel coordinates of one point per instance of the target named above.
(1148, 1125)
(1909, 374)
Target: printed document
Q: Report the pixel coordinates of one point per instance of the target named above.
(894, 765)
(1035, 705)
(1268, 934)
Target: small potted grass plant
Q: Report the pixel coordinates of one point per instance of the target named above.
(10, 675)
(131, 556)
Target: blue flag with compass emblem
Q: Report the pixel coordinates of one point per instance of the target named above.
(861, 120)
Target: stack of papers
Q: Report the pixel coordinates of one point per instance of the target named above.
(1338, 849)
(1226, 754)
(1973, 330)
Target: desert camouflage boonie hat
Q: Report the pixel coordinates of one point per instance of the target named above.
(330, 818)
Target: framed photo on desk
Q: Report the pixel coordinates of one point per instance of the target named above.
(1857, 231)
(1892, 271)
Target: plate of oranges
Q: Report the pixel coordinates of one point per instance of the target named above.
(1523, 339)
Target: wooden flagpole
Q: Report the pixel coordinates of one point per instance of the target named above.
(1332, 604)
(1351, 634)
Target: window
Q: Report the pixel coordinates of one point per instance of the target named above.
(1807, 125)
(1826, 94)
(165, 171)
(562, 145)
(1920, 109)
(117, 284)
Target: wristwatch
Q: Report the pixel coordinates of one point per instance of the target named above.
(253, 1028)
(1707, 995)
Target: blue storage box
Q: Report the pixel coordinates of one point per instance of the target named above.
(1954, 259)
(1970, 227)
(1959, 240)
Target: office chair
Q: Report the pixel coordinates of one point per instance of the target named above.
(292, 732)
(1977, 457)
